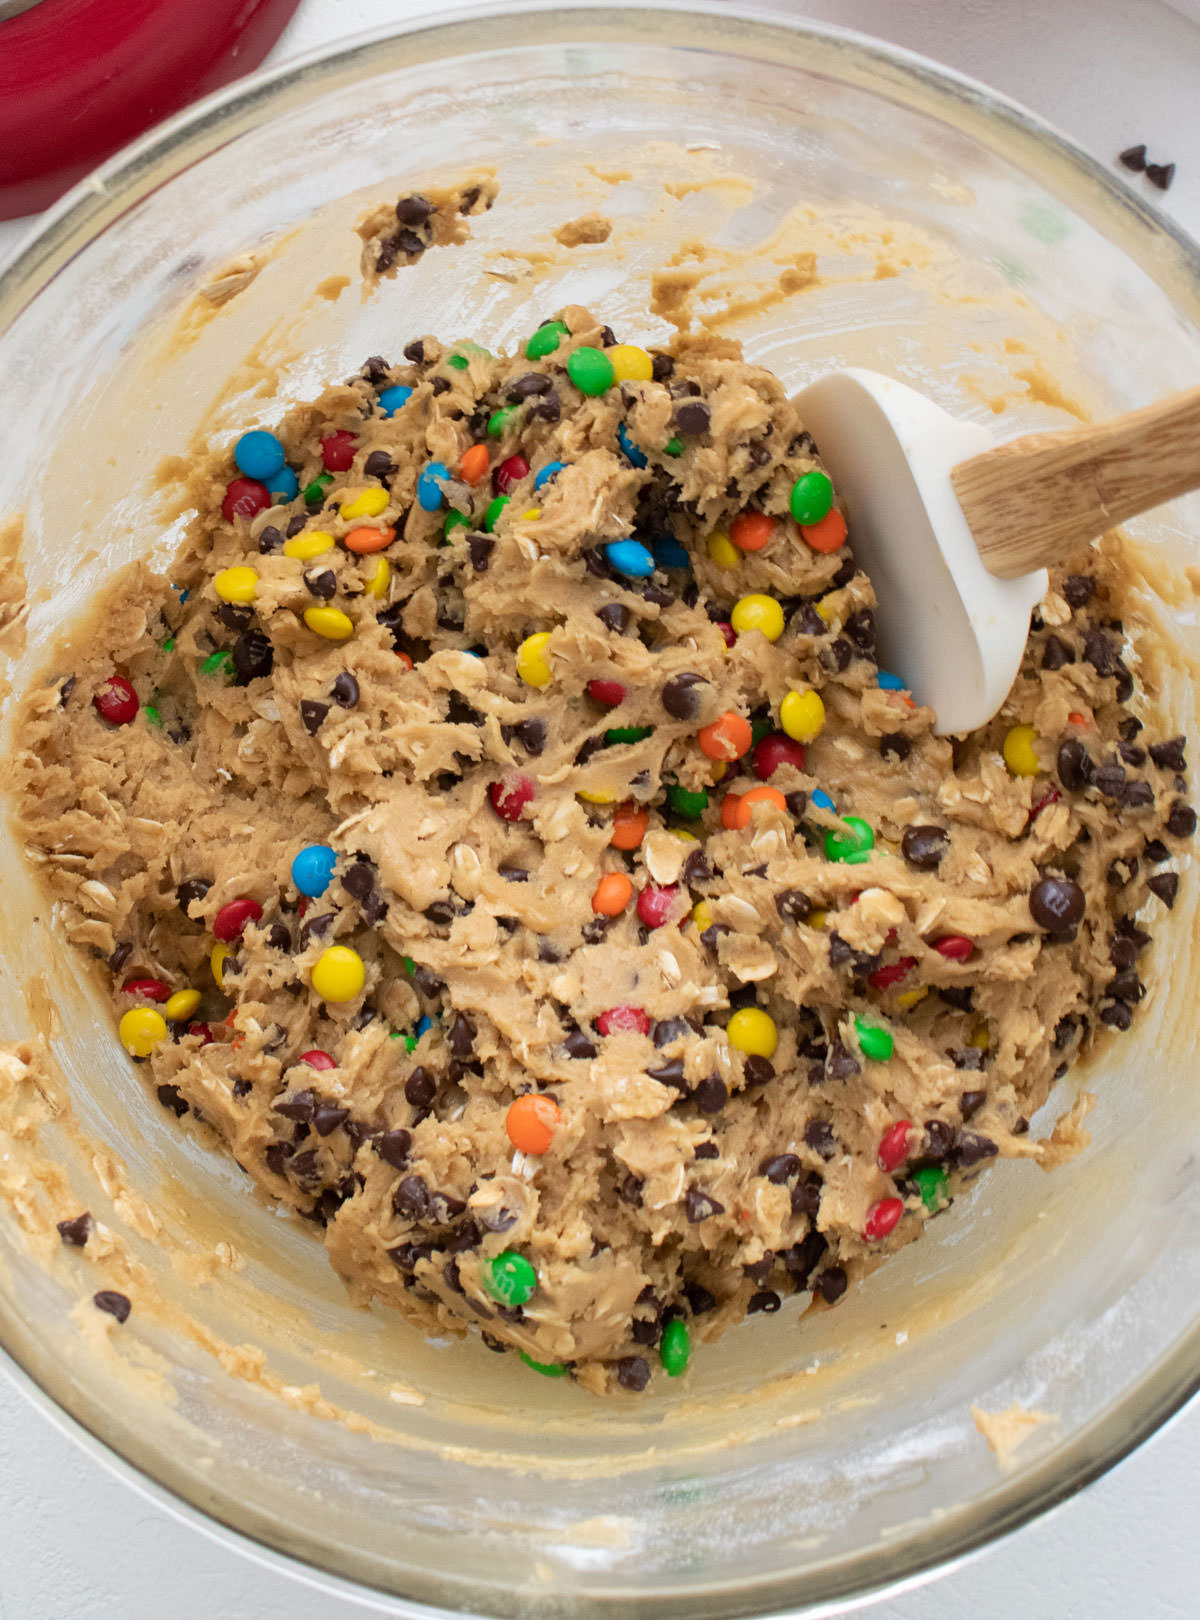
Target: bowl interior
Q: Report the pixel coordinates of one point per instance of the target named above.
(841, 205)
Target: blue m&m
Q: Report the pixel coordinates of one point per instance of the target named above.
(312, 869)
(638, 457)
(430, 485)
(283, 486)
(822, 800)
(631, 558)
(889, 683)
(547, 473)
(259, 455)
(391, 399)
(668, 553)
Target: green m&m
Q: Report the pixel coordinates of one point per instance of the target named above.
(545, 340)
(851, 843)
(510, 1278)
(811, 498)
(874, 1042)
(675, 1349)
(590, 370)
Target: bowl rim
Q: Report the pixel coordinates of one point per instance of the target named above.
(1006, 128)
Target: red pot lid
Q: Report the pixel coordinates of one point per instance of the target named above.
(80, 78)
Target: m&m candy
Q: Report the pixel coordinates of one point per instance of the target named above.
(259, 454)
(312, 869)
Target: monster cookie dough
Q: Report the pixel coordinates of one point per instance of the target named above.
(498, 831)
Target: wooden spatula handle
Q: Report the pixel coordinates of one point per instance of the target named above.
(1034, 501)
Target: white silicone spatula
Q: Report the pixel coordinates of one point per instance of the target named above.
(956, 532)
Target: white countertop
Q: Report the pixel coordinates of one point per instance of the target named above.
(78, 1543)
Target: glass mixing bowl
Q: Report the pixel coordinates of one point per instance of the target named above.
(799, 1463)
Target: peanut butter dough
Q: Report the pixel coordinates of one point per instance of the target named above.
(925, 993)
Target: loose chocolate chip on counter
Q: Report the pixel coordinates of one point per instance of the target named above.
(1181, 821)
(1056, 904)
(757, 1071)
(700, 1206)
(1074, 765)
(1078, 589)
(1160, 175)
(1170, 755)
(894, 745)
(420, 1088)
(633, 1372)
(118, 1305)
(971, 1102)
(780, 1167)
(818, 1134)
(831, 1284)
(253, 657)
(1166, 886)
(711, 1095)
(1133, 157)
(76, 1232)
(924, 847)
(693, 417)
(312, 714)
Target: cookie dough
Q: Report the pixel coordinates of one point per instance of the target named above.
(507, 845)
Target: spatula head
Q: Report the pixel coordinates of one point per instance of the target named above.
(952, 632)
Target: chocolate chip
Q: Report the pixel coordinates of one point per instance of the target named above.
(1126, 986)
(235, 615)
(711, 1095)
(358, 880)
(440, 913)
(841, 1064)
(669, 1074)
(327, 1118)
(297, 525)
(1056, 904)
(860, 627)
(966, 1057)
(1121, 871)
(763, 1299)
(412, 1199)
(1137, 795)
(277, 1155)
(169, 1097)
(972, 1148)
(683, 695)
(793, 905)
(780, 1167)
(893, 745)
(420, 1088)
(269, 540)
(707, 1150)
(697, 869)
(311, 928)
(1117, 1015)
(429, 983)
(1131, 753)
(700, 1300)
(633, 1372)
(120, 955)
(667, 1030)
(629, 1190)
(831, 1284)
(253, 656)
(461, 1038)
(76, 1232)
(1078, 589)
(1074, 765)
(657, 596)
(241, 1089)
(1165, 885)
(924, 847)
(531, 734)
(1169, 755)
(971, 1102)
(613, 617)
(662, 366)
(312, 714)
(322, 585)
(480, 547)
(818, 1135)
(526, 386)
(115, 1304)
(1056, 654)
(1160, 175)
(1156, 851)
(1181, 821)
(296, 1105)
(414, 210)
(693, 417)
(939, 1139)
(701, 1206)
(1133, 157)
(1109, 779)
(757, 1071)
(839, 951)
